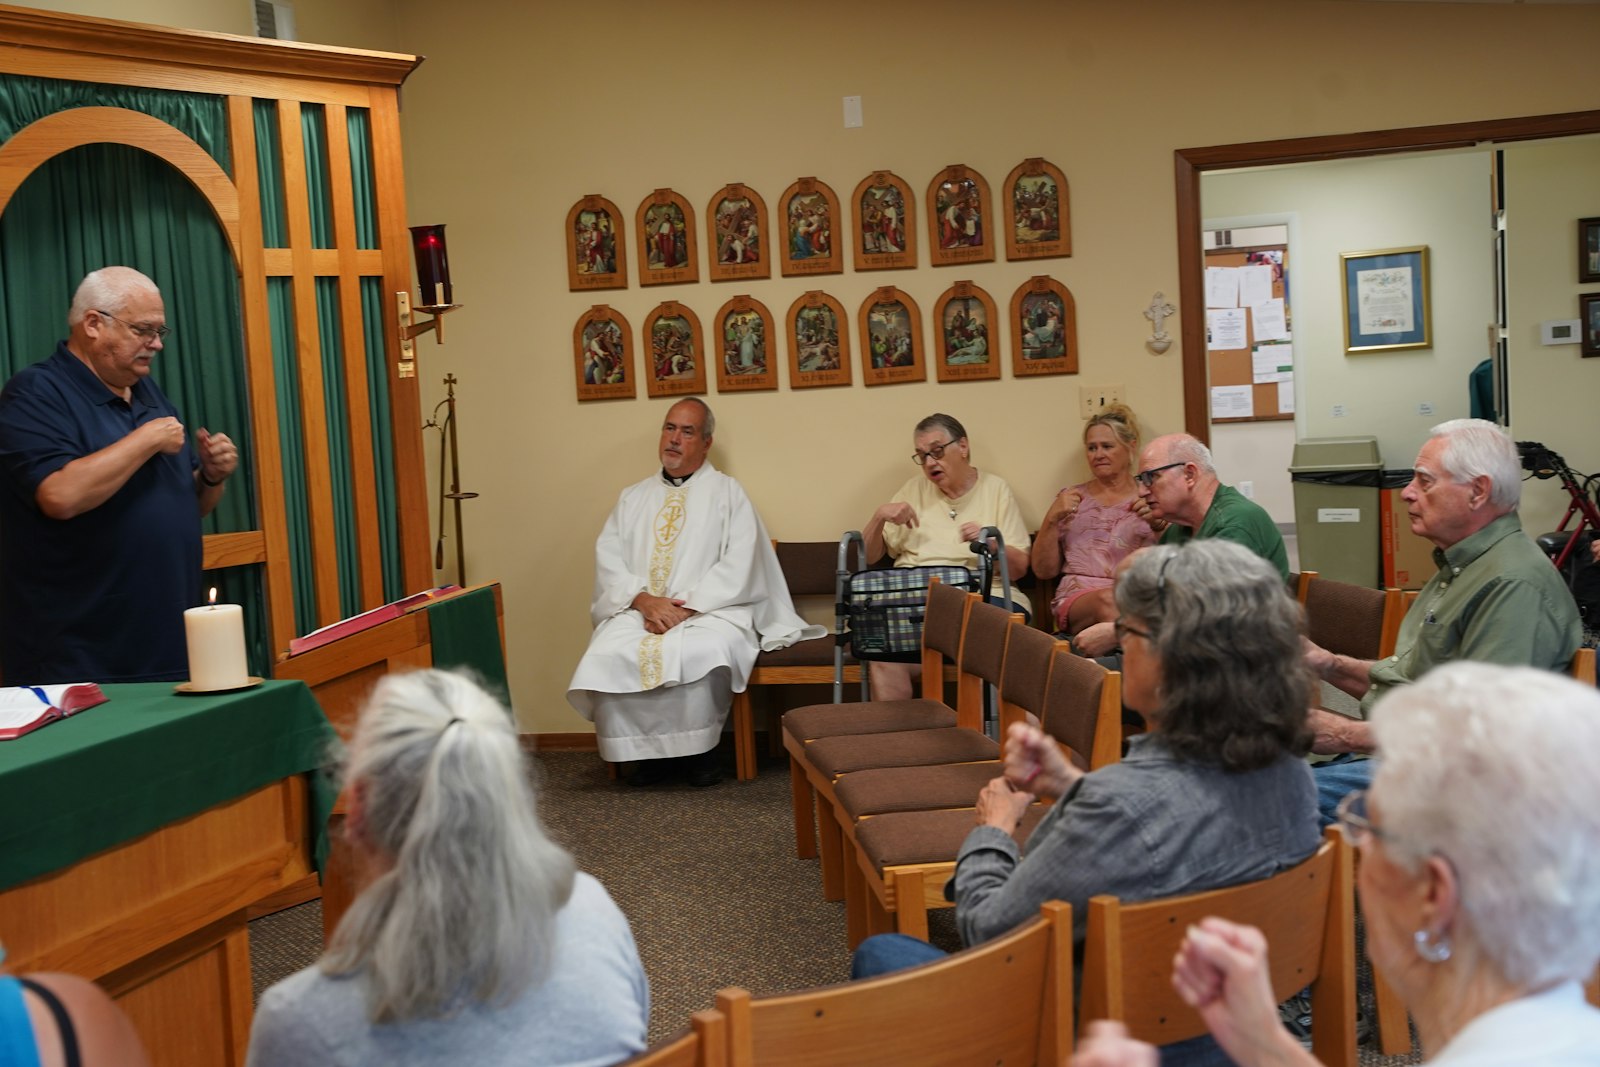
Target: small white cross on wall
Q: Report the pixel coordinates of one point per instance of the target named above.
(1158, 312)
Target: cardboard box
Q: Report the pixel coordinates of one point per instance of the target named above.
(1407, 558)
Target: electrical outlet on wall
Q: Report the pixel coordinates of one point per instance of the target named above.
(1247, 489)
(1093, 398)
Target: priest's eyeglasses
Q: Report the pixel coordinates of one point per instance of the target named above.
(144, 333)
(936, 452)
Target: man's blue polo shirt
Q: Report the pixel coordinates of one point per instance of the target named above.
(98, 597)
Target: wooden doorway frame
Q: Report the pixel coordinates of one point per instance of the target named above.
(1190, 163)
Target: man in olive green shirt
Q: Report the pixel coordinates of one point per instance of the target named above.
(1495, 599)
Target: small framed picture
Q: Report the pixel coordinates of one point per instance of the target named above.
(966, 322)
(891, 338)
(602, 344)
(676, 351)
(1589, 250)
(1038, 215)
(960, 223)
(886, 234)
(736, 234)
(597, 250)
(809, 214)
(1589, 316)
(745, 365)
(1385, 295)
(1044, 329)
(665, 222)
(819, 343)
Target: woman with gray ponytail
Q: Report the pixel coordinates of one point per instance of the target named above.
(476, 939)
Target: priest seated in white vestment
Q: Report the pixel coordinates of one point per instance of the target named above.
(687, 591)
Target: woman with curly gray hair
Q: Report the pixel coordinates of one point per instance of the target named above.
(476, 940)
(1479, 882)
(1214, 794)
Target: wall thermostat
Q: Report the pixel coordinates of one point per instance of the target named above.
(1561, 332)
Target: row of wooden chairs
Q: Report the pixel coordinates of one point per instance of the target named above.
(1009, 1000)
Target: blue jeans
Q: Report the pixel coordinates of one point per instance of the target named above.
(883, 953)
(1338, 777)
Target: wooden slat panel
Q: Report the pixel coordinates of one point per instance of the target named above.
(405, 403)
(326, 262)
(233, 549)
(364, 487)
(308, 348)
(267, 451)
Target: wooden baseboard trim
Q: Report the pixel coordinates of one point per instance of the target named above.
(560, 742)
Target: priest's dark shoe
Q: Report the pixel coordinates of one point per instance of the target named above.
(705, 769)
(653, 772)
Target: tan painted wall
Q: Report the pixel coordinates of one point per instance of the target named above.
(523, 108)
(1555, 394)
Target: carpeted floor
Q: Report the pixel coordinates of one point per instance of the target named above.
(708, 878)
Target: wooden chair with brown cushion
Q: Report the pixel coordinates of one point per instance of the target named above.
(810, 569)
(1583, 668)
(1007, 1001)
(902, 860)
(943, 629)
(983, 649)
(1353, 620)
(704, 1043)
(1307, 914)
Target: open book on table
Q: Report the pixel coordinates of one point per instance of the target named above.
(368, 619)
(25, 708)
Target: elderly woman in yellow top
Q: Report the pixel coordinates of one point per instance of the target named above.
(1479, 882)
(933, 519)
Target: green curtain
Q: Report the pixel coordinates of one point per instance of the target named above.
(106, 203)
(286, 378)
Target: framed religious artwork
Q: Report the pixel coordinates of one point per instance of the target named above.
(1044, 329)
(967, 326)
(808, 211)
(597, 249)
(1386, 299)
(736, 234)
(1038, 215)
(960, 222)
(885, 229)
(745, 362)
(1589, 322)
(819, 342)
(665, 222)
(602, 353)
(891, 338)
(1588, 250)
(676, 359)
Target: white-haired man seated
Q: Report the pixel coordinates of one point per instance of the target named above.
(1495, 599)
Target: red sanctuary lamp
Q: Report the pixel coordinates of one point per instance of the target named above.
(436, 295)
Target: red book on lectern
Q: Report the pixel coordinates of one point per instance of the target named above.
(368, 619)
(25, 708)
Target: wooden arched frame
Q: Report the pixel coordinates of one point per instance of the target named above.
(247, 72)
(1190, 163)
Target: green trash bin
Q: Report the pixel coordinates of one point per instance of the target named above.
(1336, 519)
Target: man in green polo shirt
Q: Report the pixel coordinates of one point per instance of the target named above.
(1495, 599)
(1178, 482)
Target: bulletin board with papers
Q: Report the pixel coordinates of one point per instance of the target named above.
(1249, 348)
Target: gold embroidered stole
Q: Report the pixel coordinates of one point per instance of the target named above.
(668, 524)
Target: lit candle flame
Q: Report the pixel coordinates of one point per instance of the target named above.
(213, 596)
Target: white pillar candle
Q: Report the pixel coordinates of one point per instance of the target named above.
(216, 647)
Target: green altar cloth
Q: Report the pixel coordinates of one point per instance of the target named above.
(149, 757)
(466, 633)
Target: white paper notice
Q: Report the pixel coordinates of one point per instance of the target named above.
(1286, 396)
(1255, 285)
(1231, 402)
(1226, 328)
(1268, 321)
(1271, 363)
(1222, 287)
(1385, 300)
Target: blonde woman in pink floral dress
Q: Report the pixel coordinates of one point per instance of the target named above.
(1092, 527)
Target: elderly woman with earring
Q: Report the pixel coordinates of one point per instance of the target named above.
(934, 518)
(1215, 794)
(1479, 882)
(476, 941)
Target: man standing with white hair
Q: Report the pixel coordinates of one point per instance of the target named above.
(101, 496)
(1495, 598)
